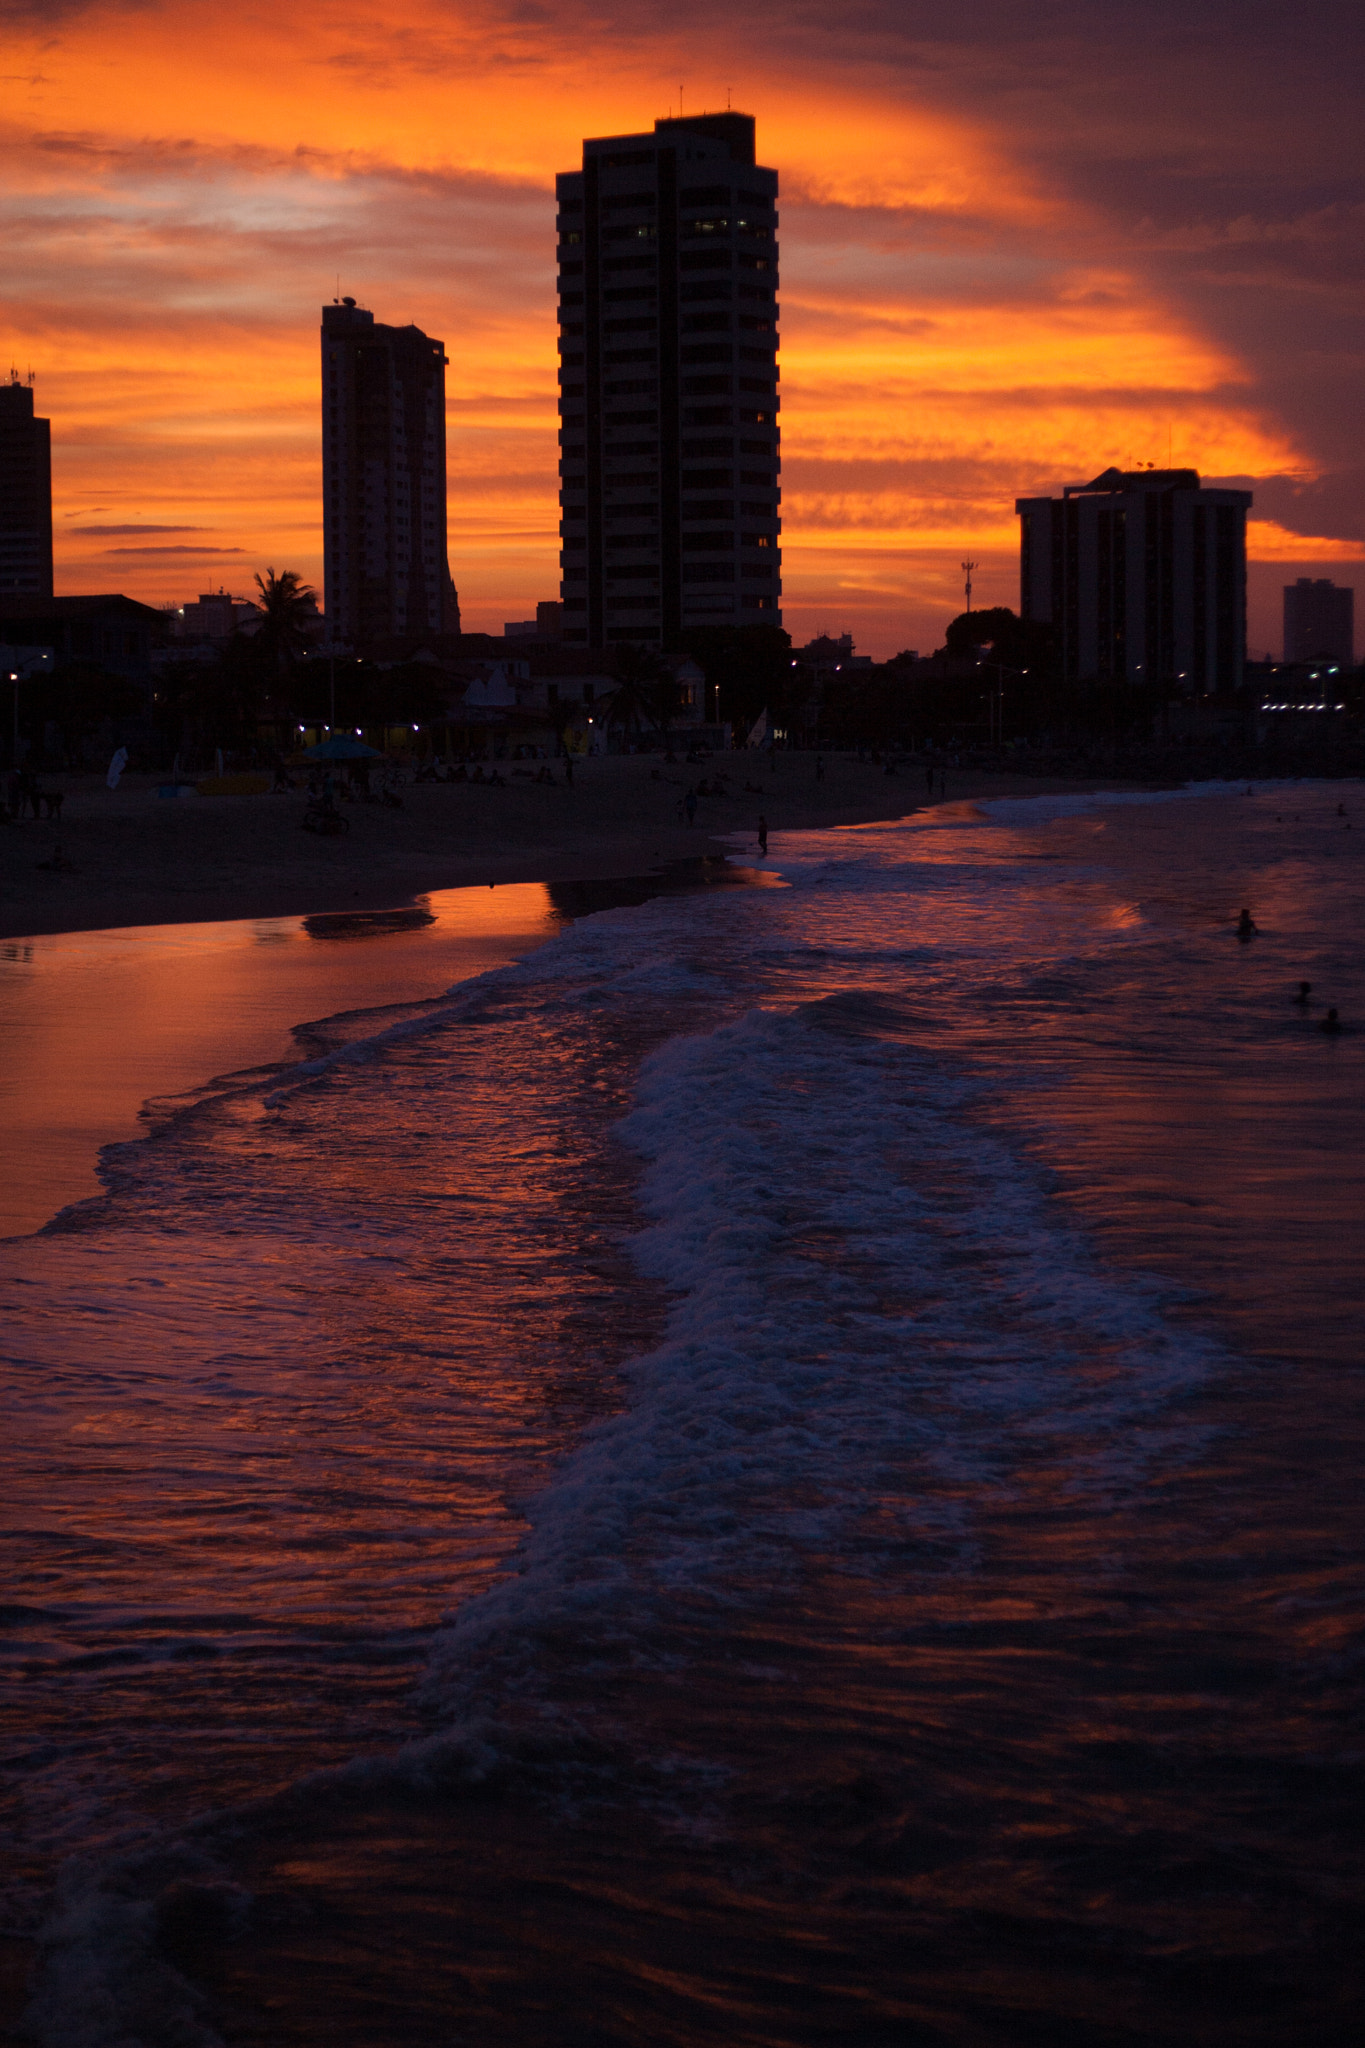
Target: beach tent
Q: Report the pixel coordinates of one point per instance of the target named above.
(341, 747)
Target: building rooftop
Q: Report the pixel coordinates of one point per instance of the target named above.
(1137, 480)
(29, 606)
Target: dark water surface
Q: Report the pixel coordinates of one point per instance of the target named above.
(785, 1471)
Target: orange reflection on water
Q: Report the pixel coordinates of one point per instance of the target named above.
(93, 1024)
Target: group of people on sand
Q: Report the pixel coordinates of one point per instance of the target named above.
(25, 792)
(450, 772)
(716, 785)
(713, 786)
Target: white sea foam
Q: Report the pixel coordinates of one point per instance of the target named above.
(875, 1300)
(881, 1316)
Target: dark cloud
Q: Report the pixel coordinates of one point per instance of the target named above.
(1213, 144)
(108, 532)
(201, 552)
(1192, 165)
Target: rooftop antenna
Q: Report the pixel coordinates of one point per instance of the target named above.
(967, 568)
(727, 99)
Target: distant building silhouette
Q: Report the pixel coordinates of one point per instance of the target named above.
(214, 615)
(25, 494)
(1319, 621)
(386, 570)
(669, 448)
(1143, 575)
(115, 633)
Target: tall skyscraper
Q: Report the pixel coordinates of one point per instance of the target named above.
(669, 446)
(25, 494)
(386, 572)
(1143, 575)
(1319, 621)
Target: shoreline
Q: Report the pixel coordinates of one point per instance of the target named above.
(145, 861)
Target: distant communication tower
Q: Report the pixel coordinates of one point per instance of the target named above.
(967, 568)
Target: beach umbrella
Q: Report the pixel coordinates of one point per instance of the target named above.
(340, 747)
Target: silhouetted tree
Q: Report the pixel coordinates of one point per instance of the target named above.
(752, 666)
(77, 699)
(409, 693)
(645, 694)
(290, 618)
(1018, 643)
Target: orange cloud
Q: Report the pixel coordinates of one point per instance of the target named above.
(1268, 541)
(956, 330)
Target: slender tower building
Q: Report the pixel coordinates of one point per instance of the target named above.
(25, 494)
(669, 446)
(386, 571)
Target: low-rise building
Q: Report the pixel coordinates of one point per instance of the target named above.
(111, 632)
(214, 615)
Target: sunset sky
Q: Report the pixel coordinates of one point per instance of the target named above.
(1015, 249)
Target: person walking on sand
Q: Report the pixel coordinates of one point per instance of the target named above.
(762, 833)
(690, 805)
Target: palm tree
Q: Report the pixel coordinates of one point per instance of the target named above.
(290, 609)
(642, 696)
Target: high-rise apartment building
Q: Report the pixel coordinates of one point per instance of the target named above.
(1319, 621)
(669, 446)
(386, 572)
(25, 494)
(1143, 575)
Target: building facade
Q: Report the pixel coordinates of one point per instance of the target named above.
(386, 571)
(668, 398)
(214, 615)
(1142, 574)
(112, 632)
(25, 494)
(1319, 621)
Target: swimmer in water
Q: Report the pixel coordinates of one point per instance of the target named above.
(1246, 926)
(1305, 990)
(1331, 1024)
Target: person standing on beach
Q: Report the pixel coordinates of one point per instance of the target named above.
(690, 805)
(762, 833)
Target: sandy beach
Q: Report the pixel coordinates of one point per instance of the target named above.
(141, 859)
